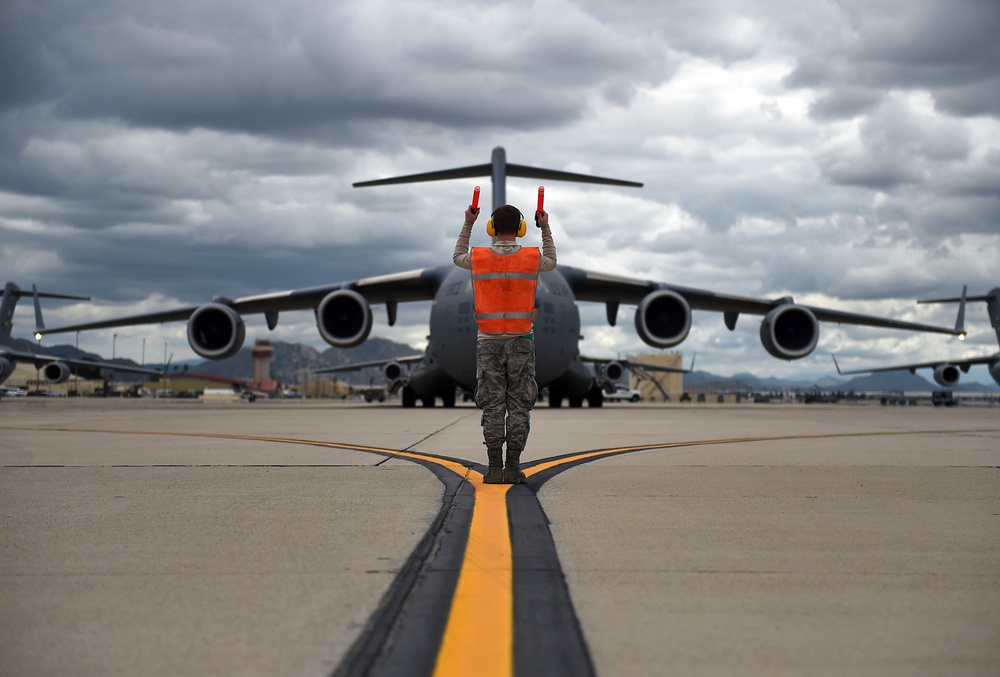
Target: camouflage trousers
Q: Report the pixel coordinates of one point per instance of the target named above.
(506, 390)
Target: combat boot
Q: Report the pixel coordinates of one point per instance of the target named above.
(512, 471)
(494, 474)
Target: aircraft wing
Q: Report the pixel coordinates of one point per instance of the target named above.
(358, 366)
(632, 364)
(962, 364)
(84, 368)
(614, 290)
(415, 285)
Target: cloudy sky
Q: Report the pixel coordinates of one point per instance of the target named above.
(845, 152)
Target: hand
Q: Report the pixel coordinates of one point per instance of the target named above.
(542, 219)
(471, 214)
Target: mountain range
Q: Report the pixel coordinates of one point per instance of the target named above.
(294, 362)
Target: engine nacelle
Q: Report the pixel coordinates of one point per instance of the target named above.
(663, 319)
(392, 371)
(6, 368)
(216, 331)
(613, 371)
(995, 370)
(56, 372)
(344, 318)
(789, 332)
(946, 375)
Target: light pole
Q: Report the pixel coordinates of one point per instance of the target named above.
(76, 376)
(114, 342)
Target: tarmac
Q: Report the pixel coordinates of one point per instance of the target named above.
(162, 537)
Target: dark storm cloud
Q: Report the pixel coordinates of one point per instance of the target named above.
(947, 48)
(264, 73)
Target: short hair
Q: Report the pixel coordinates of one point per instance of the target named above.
(506, 220)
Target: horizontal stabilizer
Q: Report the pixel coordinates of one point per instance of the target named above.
(440, 175)
(505, 168)
(525, 172)
(520, 171)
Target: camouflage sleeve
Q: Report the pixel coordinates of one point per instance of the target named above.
(548, 260)
(461, 257)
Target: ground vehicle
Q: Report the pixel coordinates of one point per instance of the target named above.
(624, 393)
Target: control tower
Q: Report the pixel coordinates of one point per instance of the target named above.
(263, 353)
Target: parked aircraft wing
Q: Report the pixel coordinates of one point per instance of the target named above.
(358, 366)
(963, 364)
(85, 368)
(602, 363)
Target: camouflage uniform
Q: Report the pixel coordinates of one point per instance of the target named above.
(505, 385)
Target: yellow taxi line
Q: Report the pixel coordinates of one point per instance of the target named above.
(479, 635)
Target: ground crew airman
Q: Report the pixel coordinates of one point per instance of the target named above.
(504, 276)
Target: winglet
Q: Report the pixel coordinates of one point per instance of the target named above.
(960, 320)
(694, 355)
(836, 365)
(39, 322)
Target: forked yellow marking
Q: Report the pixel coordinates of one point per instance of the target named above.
(479, 635)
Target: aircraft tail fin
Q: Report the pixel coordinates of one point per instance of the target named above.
(8, 301)
(992, 299)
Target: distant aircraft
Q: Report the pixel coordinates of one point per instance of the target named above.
(946, 372)
(55, 369)
(344, 318)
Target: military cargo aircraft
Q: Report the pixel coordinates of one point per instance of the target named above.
(55, 369)
(948, 372)
(343, 312)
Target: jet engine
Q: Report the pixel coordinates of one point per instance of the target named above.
(663, 319)
(946, 375)
(56, 372)
(216, 331)
(344, 318)
(394, 375)
(392, 371)
(613, 371)
(6, 368)
(789, 332)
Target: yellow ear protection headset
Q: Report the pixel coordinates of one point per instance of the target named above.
(522, 227)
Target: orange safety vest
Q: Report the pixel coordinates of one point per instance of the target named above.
(504, 287)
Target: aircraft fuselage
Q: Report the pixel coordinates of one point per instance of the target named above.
(452, 342)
